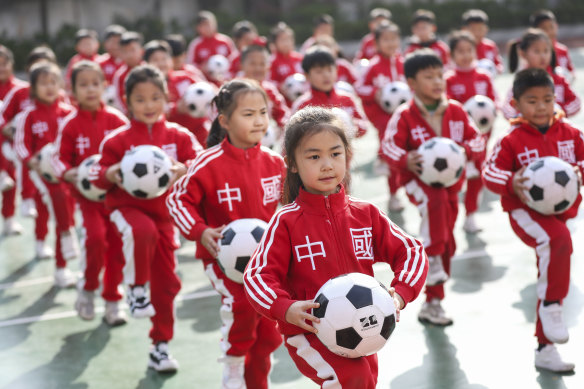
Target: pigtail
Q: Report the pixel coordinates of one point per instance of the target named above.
(554, 60)
(513, 56)
(216, 133)
(292, 184)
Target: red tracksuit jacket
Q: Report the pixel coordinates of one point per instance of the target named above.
(76, 58)
(175, 140)
(16, 100)
(461, 84)
(563, 56)
(109, 65)
(201, 49)
(317, 238)
(283, 66)
(438, 46)
(524, 144)
(368, 48)
(279, 111)
(223, 184)
(346, 71)
(332, 99)
(488, 49)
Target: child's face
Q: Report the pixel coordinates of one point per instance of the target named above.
(536, 105)
(206, 29)
(5, 69)
(322, 78)
(248, 123)
(550, 27)
(284, 42)
(179, 61)
(246, 40)
(112, 46)
(147, 102)
(87, 46)
(428, 84)
(89, 87)
(47, 88)
(321, 162)
(162, 61)
(538, 54)
(388, 43)
(464, 54)
(132, 54)
(424, 31)
(324, 29)
(256, 66)
(478, 30)
(375, 22)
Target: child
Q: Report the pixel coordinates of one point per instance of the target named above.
(178, 46)
(79, 137)
(36, 127)
(145, 226)
(285, 61)
(423, 35)
(280, 283)
(476, 21)
(86, 46)
(462, 83)
(321, 73)
(539, 133)
(427, 115)
(244, 35)
(131, 54)
(386, 66)
(209, 42)
(111, 60)
(345, 70)
(535, 48)
(214, 193)
(323, 25)
(546, 20)
(368, 47)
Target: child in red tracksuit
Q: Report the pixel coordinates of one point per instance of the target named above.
(111, 60)
(539, 133)
(146, 228)
(368, 47)
(535, 48)
(476, 22)
(209, 42)
(320, 234)
(214, 193)
(320, 68)
(423, 35)
(385, 67)
(86, 46)
(80, 135)
(427, 115)
(464, 81)
(131, 53)
(36, 127)
(285, 61)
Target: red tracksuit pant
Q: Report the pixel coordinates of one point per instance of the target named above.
(148, 246)
(475, 185)
(550, 237)
(330, 370)
(101, 248)
(245, 332)
(8, 196)
(438, 208)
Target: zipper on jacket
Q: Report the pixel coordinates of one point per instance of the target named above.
(338, 246)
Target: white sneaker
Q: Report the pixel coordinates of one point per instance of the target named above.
(113, 315)
(436, 273)
(549, 359)
(433, 313)
(6, 182)
(85, 304)
(395, 204)
(139, 302)
(42, 250)
(552, 322)
(161, 360)
(69, 245)
(11, 227)
(28, 208)
(470, 224)
(64, 278)
(233, 372)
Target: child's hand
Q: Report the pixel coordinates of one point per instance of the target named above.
(518, 185)
(578, 174)
(33, 163)
(181, 107)
(112, 174)
(71, 175)
(178, 169)
(415, 160)
(209, 239)
(398, 301)
(378, 97)
(297, 315)
(8, 132)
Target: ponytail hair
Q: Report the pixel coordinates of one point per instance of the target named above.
(530, 36)
(226, 101)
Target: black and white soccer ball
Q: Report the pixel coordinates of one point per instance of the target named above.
(562, 71)
(443, 162)
(217, 67)
(393, 95)
(357, 315)
(87, 168)
(271, 136)
(488, 66)
(109, 95)
(46, 167)
(146, 172)
(198, 98)
(344, 86)
(553, 185)
(294, 86)
(482, 111)
(240, 239)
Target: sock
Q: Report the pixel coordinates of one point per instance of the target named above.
(541, 346)
(550, 302)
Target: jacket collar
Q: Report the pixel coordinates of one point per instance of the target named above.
(321, 204)
(323, 95)
(240, 154)
(91, 114)
(40, 106)
(156, 127)
(520, 121)
(442, 105)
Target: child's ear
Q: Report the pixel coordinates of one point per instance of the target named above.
(287, 162)
(411, 82)
(223, 122)
(433, 28)
(513, 103)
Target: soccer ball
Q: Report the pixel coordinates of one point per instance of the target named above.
(393, 95)
(46, 167)
(561, 71)
(553, 185)
(294, 86)
(218, 67)
(488, 66)
(198, 98)
(361, 67)
(146, 172)
(347, 120)
(357, 315)
(84, 185)
(240, 239)
(443, 162)
(109, 95)
(344, 86)
(271, 136)
(482, 111)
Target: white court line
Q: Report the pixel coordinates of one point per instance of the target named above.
(20, 284)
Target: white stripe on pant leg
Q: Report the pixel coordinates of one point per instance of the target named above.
(226, 310)
(414, 190)
(542, 249)
(83, 249)
(44, 191)
(127, 247)
(312, 357)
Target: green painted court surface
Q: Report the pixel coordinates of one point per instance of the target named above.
(491, 296)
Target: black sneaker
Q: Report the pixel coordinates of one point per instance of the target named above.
(161, 360)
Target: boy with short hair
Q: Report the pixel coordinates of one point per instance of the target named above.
(111, 60)
(424, 35)
(539, 133)
(368, 48)
(323, 25)
(208, 42)
(429, 114)
(86, 46)
(178, 46)
(244, 34)
(476, 21)
(131, 53)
